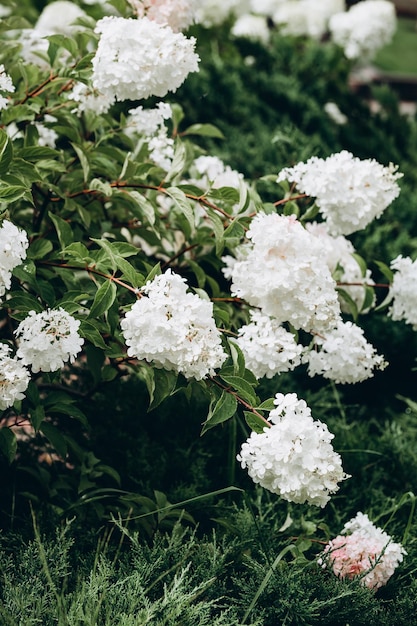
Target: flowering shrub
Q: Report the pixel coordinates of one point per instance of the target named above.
(128, 252)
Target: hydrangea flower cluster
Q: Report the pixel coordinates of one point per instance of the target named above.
(252, 27)
(294, 457)
(14, 378)
(304, 17)
(49, 339)
(138, 58)
(210, 171)
(178, 14)
(148, 122)
(13, 246)
(403, 290)
(173, 329)
(89, 100)
(214, 12)
(268, 348)
(365, 28)
(282, 271)
(350, 192)
(363, 550)
(339, 253)
(6, 86)
(344, 355)
(58, 18)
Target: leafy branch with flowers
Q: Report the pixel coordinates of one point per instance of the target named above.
(127, 251)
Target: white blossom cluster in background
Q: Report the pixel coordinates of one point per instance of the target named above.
(282, 271)
(403, 290)
(48, 340)
(350, 192)
(14, 378)
(13, 245)
(343, 355)
(6, 87)
(268, 348)
(210, 171)
(294, 458)
(253, 27)
(214, 12)
(306, 17)
(138, 58)
(363, 550)
(364, 29)
(173, 329)
(178, 14)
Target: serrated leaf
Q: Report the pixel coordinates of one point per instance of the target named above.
(39, 248)
(237, 358)
(37, 416)
(88, 331)
(178, 162)
(218, 230)
(361, 262)
(6, 152)
(69, 409)
(254, 422)
(38, 153)
(8, 443)
(146, 207)
(267, 405)
(160, 384)
(104, 298)
(155, 271)
(11, 193)
(182, 206)
(63, 229)
(83, 160)
(221, 409)
(130, 274)
(24, 302)
(55, 437)
(242, 387)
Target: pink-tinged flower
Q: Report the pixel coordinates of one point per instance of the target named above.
(363, 550)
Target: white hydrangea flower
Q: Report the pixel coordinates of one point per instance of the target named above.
(48, 340)
(365, 28)
(252, 27)
(404, 291)
(344, 355)
(148, 122)
(265, 7)
(301, 17)
(178, 14)
(210, 171)
(282, 271)
(47, 136)
(349, 191)
(89, 100)
(161, 150)
(6, 86)
(363, 550)
(14, 378)
(173, 329)
(13, 245)
(58, 18)
(215, 12)
(339, 254)
(268, 348)
(293, 458)
(138, 58)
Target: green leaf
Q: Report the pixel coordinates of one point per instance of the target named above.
(61, 41)
(11, 193)
(243, 388)
(63, 229)
(221, 409)
(369, 298)
(218, 230)
(6, 152)
(182, 207)
(104, 298)
(8, 443)
(204, 130)
(178, 162)
(37, 416)
(90, 332)
(146, 207)
(237, 358)
(385, 270)
(155, 271)
(55, 437)
(130, 274)
(39, 249)
(349, 301)
(254, 422)
(23, 302)
(160, 384)
(83, 160)
(68, 409)
(38, 153)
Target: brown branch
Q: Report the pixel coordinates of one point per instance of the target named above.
(240, 400)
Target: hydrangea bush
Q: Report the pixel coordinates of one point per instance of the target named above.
(126, 251)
